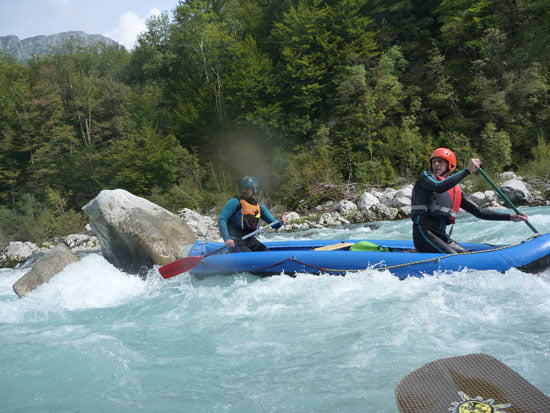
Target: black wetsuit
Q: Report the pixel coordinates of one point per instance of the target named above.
(429, 228)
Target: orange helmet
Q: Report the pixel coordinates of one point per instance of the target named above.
(446, 154)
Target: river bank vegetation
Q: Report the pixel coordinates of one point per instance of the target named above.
(308, 95)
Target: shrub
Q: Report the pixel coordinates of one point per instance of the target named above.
(539, 166)
(31, 220)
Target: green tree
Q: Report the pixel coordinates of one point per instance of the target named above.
(94, 95)
(359, 120)
(303, 39)
(251, 89)
(90, 103)
(530, 18)
(496, 150)
(367, 101)
(42, 118)
(529, 102)
(316, 40)
(442, 98)
(202, 41)
(459, 144)
(539, 165)
(310, 176)
(14, 84)
(151, 59)
(145, 161)
(409, 148)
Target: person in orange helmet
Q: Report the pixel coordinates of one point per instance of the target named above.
(436, 200)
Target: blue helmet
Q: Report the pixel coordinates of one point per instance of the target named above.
(250, 182)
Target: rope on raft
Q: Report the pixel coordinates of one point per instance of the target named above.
(389, 267)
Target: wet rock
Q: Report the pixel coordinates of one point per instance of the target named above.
(134, 233)
(44, 269)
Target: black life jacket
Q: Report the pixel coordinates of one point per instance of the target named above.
(445, 204)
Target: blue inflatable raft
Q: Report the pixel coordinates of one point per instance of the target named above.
(339, 257)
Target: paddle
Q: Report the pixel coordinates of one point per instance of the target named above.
(333, 247)
(504, 197)
(471, 383)
(187, 263)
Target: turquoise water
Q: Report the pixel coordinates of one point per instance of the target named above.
(97, 339)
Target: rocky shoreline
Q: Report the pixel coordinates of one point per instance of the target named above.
(369, 206)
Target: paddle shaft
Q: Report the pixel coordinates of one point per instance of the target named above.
(261, 229)
(504, 197)
(185, 264)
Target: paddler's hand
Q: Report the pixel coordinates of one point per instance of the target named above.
(474, 165)
(280, 223)
(518, 218)
(229, 243)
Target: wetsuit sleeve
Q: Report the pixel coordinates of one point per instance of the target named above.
(227, 212)
(267, 217)
(425, 181)
(483, 213)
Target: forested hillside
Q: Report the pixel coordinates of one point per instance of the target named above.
(301, 93)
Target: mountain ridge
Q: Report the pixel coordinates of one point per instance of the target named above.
(25, 49)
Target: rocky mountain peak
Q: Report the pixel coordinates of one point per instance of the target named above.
(41, 45)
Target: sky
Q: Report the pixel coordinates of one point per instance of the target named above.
(121, 20)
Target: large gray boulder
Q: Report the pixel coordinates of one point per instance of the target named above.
(402, 198)
(134, 233)
(517, 191)
(44, 269)
(366, 200)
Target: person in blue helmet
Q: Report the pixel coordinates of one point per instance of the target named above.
(436, 200)
(242, 215)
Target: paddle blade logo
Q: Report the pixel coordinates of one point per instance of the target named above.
(477, 405)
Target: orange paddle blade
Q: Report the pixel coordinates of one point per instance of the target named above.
(179, 266)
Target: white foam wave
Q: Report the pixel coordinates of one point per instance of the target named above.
(90, 283)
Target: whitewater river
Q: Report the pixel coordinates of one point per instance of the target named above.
(95, 339)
